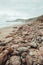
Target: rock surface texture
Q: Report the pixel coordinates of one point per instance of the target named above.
(24, 46)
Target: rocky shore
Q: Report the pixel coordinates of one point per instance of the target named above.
(23, 45)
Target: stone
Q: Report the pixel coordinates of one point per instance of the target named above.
(2, 44)
(33, 45)
(23, 60)
(41, 60)
(22, 49)
(15, 60)
(28, 60)
(41, 50)
(8, 62)
(1, 48)
(15, 46)
(39, 39)
(4, 54)
(31, 53)
(42, 38)
(24, 54)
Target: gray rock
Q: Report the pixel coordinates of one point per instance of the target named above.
(30, 53)
(42, 38)
(2, 44)
(22, 49)
(33, 44)
(39, 39)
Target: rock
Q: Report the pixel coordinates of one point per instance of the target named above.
(1, 48)
(4, 54)
(24, 54)
(40, 60)
(2, 44)
(22, 49)
(33, 45)
(25, 32)
(23, 58)
(39, 39)
(8, 40)
(23, 61)
(15, 46)
(15, 60)
(41, 33)
(8, 62)
(15, 53)
(31, 53)
(28, 60)
(42, 38)
(41, 50)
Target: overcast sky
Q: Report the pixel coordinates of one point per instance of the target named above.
(21, 7)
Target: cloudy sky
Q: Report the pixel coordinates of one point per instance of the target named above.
(21, 8)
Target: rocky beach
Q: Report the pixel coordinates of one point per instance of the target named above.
(22, 44)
